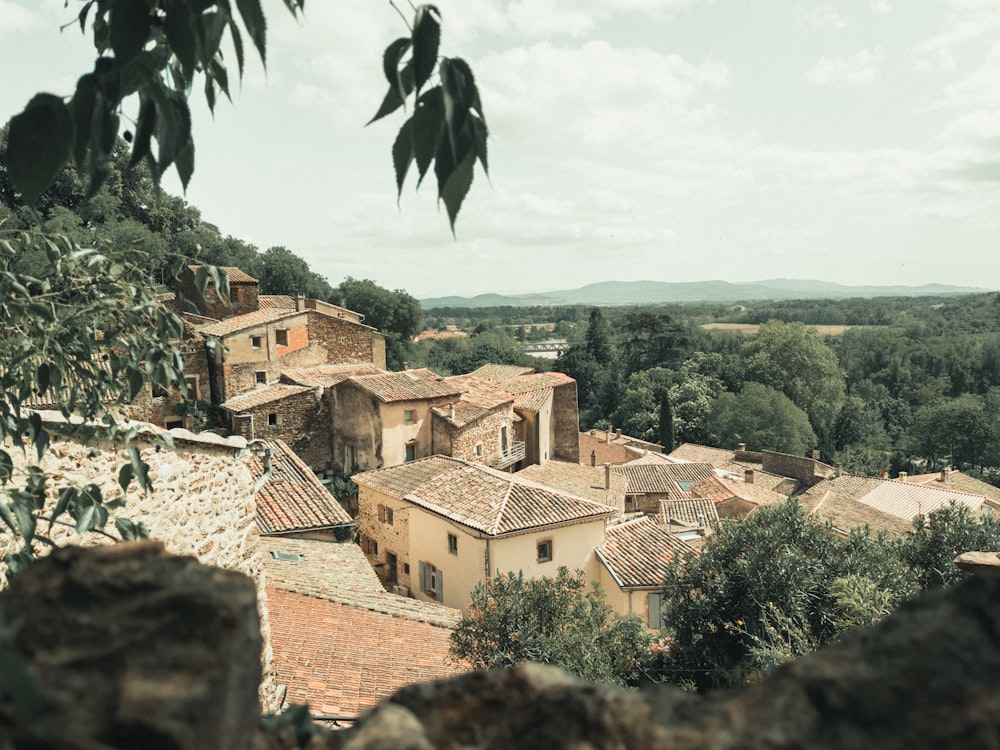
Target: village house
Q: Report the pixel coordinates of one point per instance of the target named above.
(436, 527)
(597, 483)
(479, 426)
(547, 405)
(634, 559)
(736, 497)
(692, 520)
(651, 482)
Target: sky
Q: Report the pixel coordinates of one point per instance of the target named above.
(669, 140)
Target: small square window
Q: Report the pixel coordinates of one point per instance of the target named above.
(281, 336)
(453, 544)
(174, 423)
(406, 568)
(545, 551)
(191, 381)
(410, 416)
(685, 484)
(260, 377)
(374, 548)
(273, 419)
(257, 342)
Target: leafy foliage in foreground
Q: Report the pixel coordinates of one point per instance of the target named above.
(553, 621)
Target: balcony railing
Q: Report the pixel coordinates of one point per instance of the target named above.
(509, 457)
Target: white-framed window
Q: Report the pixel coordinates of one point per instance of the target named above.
(544, 549)
(453, 544)
(281, 336)
(409, 416)
(257, 342)
(431, 580)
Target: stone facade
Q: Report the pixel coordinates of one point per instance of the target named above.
(300, 419)
(565, 423)
(202, 503)
(477, 441)
(243, 295)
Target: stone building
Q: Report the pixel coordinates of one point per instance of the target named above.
(479, 426)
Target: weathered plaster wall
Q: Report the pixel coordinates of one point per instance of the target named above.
(356, 428)
(565, 423)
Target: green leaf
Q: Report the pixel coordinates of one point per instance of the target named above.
(8, 518)
(390, 62)
(104, 130)
(87, 519)
(129, 530)
(185, 163)
(173, 125)
(38, 145)
(253, 19)
(131, 21)
(178, 25)
(480, 134)
(234, 31)
(6, 467)
(66, 496)
(135, 383)
(426, 129)
(140, 468)
(392, 100)
(402, 155)
(83, 15)
(426, 40)
(453, 185)
(82, 107)
(125, 476)
(143, 130)
(26, 518)
(217, 72)
(458, 88)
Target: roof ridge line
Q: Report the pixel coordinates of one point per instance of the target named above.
(495, 529)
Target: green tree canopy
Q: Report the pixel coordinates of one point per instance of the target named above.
(762, 418)
(394, 313)
(554, 621)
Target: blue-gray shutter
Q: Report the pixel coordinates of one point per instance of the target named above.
(655, 614)
(439, 584)
(422, 575)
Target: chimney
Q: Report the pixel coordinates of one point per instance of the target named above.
(451, 411)
(748, 476)
(902, 475)
(609, 433)
(607, 476)
(300, 302)
(618, 433)
(741, 448)
(593, 458)
(815, 454)
(883, 474)
(945, 473)
(840, 470)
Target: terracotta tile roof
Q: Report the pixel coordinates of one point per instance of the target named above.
(479, 497)
(339, 571)
(956, 480)
(500, 373)
(329, 375)
(663, 478)
(236, 275)
(648, 457)
(719, 489)
(606, 453)
(534, 381)
(628, 440)
(253, 319)
(343, 659)
(718, 457)
(533, 400)
(696, 512)
(293, 498)
(896, 498)
(409, 385)
(262, 396)
(636, 553)
(479, 397)
(583, 481)
(844, 514)
(275, 302)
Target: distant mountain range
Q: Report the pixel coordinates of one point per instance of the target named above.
(660, 292)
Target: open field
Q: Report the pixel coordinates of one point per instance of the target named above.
(748, 328)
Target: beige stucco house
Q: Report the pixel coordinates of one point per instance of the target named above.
(633, 561)
(436, 527)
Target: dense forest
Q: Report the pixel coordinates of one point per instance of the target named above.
(906, 384)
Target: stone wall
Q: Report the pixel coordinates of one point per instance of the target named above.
(565, 423)
(244, 296)
(461, 442)
(806, 470)
(302, 420)
(202, 503)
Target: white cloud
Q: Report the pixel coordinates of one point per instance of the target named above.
(824, 18)
(880, 7)
(859, 68)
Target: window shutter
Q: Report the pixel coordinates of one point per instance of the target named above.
(655, 615)
(364, 544)
(439, 584)
(422, 575)
(381, 513)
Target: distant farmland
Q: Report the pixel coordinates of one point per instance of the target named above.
(749, 328)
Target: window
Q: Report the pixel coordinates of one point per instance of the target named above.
(545, 551)
(287, 556)
(685, 485)
(273, 418)
(654, 610)
(385, 514)
(411, 451)
(453, 544)
(260, 377)
(158, 392)
(431, 581)
(479, 450)
(281, 336)
(406, 568)
(391, 561)
(257, 342)
(192, 386)
(410, 416)
(172, 423)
